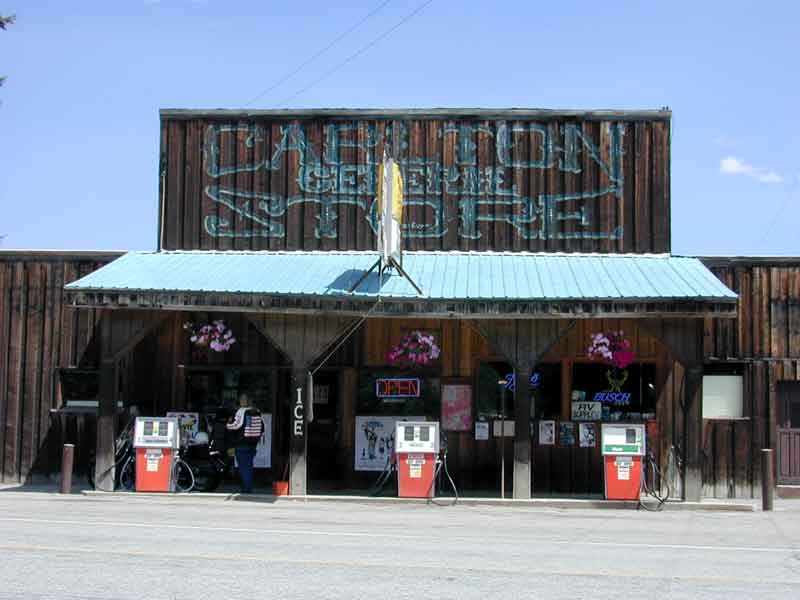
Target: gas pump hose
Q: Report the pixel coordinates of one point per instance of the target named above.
(653, 484)
(432, 500)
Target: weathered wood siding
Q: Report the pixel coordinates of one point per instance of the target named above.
(765, 341)
(38, 333)
(549, 183)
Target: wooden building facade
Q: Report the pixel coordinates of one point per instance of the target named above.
(475, 181)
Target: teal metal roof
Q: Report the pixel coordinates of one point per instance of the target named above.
(490, 276)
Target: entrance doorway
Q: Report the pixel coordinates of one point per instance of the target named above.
(788, 433)
(323, 433)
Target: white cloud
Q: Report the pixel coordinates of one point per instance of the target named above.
(736, 166)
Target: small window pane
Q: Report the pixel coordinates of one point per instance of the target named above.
(722, 397)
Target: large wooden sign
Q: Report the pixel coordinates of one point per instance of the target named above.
(470, 184)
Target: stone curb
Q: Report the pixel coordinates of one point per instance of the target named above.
(560, 503)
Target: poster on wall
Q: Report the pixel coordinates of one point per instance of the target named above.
(374, 441)
(481, 431)
(587, 435)
(456, 407)
(587, 411)
(189, 424)
(566, 433)
(547, 433)
(263, 459)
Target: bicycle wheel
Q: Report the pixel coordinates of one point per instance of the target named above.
(184, 477)
(127, 475)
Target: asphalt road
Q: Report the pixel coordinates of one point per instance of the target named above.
(152, 548)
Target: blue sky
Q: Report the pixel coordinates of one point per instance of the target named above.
(79, 127)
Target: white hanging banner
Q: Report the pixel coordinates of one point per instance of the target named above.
(390, 209)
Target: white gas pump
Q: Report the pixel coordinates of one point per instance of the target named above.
(156, 440)
(416, 445)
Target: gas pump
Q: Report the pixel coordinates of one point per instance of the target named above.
(156, 440)
(623, 447)
(416, 445)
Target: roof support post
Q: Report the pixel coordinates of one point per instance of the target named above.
(684, 339)
(120, 332)
(523, 473)
(302, 339)
(522, 343)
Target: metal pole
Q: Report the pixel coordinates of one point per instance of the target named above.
(767, 479)
(67, 460)
(503, 442)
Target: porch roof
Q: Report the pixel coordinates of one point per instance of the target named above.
(453, 283)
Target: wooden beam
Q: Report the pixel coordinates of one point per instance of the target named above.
(684, 339)
(523, 344)
(303, 339)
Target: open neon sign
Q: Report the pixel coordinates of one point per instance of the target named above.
(397, 388)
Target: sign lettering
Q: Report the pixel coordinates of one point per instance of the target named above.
(397, 388)
(298, 414)
(341, 170)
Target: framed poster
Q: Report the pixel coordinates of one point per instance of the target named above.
(587, 435)
(456, 406)
(374, 441)
(566, 433)
(547, 433)
(587, 411)
(189, 423)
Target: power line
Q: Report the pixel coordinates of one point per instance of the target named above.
(357, 53)
(783, 205)
(319, 53)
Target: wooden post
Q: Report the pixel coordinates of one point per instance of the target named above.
(67, 460)
(298, 435)
(104, 476)
(693, 428)
(767, 479)
(522, 432)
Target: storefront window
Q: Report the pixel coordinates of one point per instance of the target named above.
(399, 393)
(625, 394)
(544, 384)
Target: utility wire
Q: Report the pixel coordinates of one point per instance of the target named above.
(781, 208)
(319, 53)
(357, 53)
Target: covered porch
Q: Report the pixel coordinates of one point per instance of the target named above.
(518, 313)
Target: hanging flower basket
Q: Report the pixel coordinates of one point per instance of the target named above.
(611, 348)
(416, 349)
(212, 336)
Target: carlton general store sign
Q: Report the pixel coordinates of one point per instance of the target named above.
(335, 164)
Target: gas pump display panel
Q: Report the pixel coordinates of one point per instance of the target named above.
(623, 439)
(417, 436)
(156, 432)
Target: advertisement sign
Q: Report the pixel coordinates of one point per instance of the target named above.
(587, 411)
(456, 407)
(547, 433)
(587, 435)
(481, 431)
(374, 441)
(566, 433)
(263, 459)
(189, 423)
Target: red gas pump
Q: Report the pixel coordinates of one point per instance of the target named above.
(623, 447)
(416, 445)
(156, 440)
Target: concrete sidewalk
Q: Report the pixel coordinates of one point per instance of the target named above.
(739, 505)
